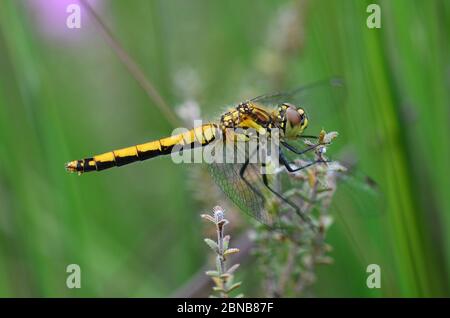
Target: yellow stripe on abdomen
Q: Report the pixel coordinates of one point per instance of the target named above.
(197, 137)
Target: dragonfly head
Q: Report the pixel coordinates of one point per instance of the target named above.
(296, 120)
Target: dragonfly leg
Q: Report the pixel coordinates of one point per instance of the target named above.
(297, 151)
(289, 168)
(309, 136)
(242, 175)
(289, 202)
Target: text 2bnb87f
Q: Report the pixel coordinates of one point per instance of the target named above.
(246, 307)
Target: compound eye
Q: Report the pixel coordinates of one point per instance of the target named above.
(293, 116)
(302, 115)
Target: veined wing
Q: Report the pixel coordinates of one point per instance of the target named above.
(245, 184)
(227, 176)
(228, 172)
(358, 194)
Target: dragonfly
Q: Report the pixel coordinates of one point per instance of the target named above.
(245, 183)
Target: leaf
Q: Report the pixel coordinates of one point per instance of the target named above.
(215, 288)
(226, 241)
(234, 286)
(229, 282)
(231, 251)
(232, 269)
(208, 217)
(225, 276)
(213, 245)
(218, 282)
(212, 273)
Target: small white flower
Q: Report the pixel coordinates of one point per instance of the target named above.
(189, 110)
(326, 221)
(330, 136)
(218, 213)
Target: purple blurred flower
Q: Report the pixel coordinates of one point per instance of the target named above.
(50, 17)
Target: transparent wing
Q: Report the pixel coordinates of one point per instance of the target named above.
(246, 188)
(330, 191)
(357, 189)
(341, 187)
(358, 195)
(227, 176)
(226, 172)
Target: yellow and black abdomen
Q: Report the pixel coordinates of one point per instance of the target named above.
(197, 137)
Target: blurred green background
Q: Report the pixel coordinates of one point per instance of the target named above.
(136, 231)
